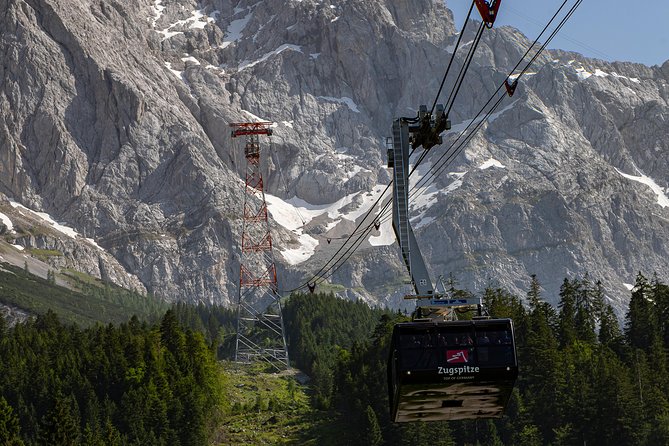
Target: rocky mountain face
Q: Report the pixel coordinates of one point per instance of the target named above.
(115, 121)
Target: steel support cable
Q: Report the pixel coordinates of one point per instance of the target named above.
(356, 231)
(325, 268)
(322, 274)
(343, 237)
(425, 179)
(458, 83)
(466, 140)
(318, 277)
(450, 153)
(461, 74)
(347, 254)
(459, 79)
(461, 146)
(540, 34)
(354, 246)
(450, 62)
(453, 151)
(552, 35)
(465, 67)
(458, 150)
(480, 122)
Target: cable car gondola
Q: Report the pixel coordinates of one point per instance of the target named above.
(440, 368)
(451, 370)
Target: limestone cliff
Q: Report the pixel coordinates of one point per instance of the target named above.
(115, 121)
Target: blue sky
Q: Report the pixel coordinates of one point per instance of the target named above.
(635, 31)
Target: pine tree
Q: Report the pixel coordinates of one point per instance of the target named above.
(111, 435)
(91, 437)
(567, 315)
(456, 293)
(534, 293)
(609, 329)
(486, 433)
(372, 436)
(9, 425)
(542, 373)
(502, 304)
(60, 427)
(660, 295)
(587, 310)
(659, 434)
(530, 436)
(172, 335)
(641, 320)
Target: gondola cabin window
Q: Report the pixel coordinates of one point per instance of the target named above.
(433, 349)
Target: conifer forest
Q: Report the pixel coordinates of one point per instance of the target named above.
(586, 377)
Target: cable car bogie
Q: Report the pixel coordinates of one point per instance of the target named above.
(488, 10)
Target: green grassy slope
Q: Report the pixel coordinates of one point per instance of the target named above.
(87, 301)
(269, 409)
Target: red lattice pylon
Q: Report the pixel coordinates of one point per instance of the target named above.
(260, 330)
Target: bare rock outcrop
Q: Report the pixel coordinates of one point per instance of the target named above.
(115, 120)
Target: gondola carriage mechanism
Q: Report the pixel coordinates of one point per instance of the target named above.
(441, 368)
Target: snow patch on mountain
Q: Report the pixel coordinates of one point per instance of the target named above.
(177, 73)
(286, 46)
(198, 20)
(158, 9)
(7, 222)
(235, 29)
(189, 58)
(49, 221)
(513, 77)
(255, 118)
(386, 234)
(343, 100)
(583, 74)
(295, 214)
(492, 162)
(633, 79)
(662, 198)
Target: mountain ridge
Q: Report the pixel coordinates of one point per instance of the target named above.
(125, 108)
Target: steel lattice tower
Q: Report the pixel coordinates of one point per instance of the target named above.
(260, 331)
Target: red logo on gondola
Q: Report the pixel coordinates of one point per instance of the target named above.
(457, 356)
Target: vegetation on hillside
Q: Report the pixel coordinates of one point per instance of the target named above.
(87, 301)
(319, 328)
(108, 385)
(267, 409)
(582, 379)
